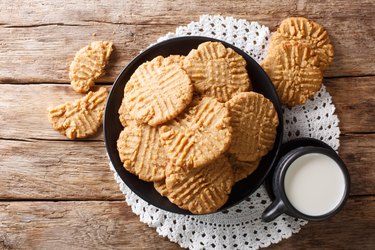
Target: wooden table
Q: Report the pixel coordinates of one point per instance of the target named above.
(60, 193)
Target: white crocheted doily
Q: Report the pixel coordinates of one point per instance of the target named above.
(240, 227)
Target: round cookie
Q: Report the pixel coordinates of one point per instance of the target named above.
(242, 169)
(217, 71)
(294, 70)
(141, 152)
(161, 187)
(199, 135)
(200, 190)
(157, 92)
(254, 121)
(89, 64)
(125, 118)
(81, 118)
(302, 30)
(178, 59)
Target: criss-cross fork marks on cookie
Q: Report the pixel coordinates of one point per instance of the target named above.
(254, 121)
(199, 135)
(294, 70)
(310, 33)
(200, 190)
(81, 118)
(141, 152)
(89, 64)
(217, 71)
(157, 92)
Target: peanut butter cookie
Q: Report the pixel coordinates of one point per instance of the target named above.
(161, 187)
(217, 71)
(242, 169)
(89, 64)
(254, 121)
(294, 70)
(157, 92)
(302, 30)
(201, 190)
(199, 135)
(81, 118)
(141, 152)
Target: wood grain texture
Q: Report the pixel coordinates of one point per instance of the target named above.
(354, 99)
(40, 38)
(26, 115)
(357, 152)
(56, 170)
(60, 194)
(78, 170)
(26, 107)
(75, 225)
(112, 225)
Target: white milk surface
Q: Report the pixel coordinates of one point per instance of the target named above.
(314, 184)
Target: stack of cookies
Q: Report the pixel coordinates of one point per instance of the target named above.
(300, 50)
(193, 126)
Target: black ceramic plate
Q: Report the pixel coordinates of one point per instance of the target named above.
(112, 126)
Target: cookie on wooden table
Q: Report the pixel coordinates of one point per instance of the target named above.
(201, 190)
(199, 135)
(302, 30)
(294, 71)
(89, 64)
(217, 71)
(81, 118)
(254, 121)
(157, 92)
(141, 152)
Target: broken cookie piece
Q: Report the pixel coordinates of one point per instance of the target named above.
(81, 118)
(89, 64)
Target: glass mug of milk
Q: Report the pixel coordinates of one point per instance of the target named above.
(309, 182)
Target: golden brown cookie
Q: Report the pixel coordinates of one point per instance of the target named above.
(157, 92)
(201, 190)
(254, 121)
(161, 187)
(89, 64)
(242, 169)
(217, 71)
(81, 118)
(178, 59)
(141, 152)
(294, 70)
(199, 135)
(125, 118)
(302, 30)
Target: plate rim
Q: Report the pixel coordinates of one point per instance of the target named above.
(201, 39)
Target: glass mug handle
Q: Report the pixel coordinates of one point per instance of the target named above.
(274, 210)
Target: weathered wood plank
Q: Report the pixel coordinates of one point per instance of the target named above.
(24, 107)
(75, 225)
(78, 170)
(112, 225)
(355, 103)
(357, 152)
(56, 170)
(23, 110)
(43, 54)
(39, 41)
